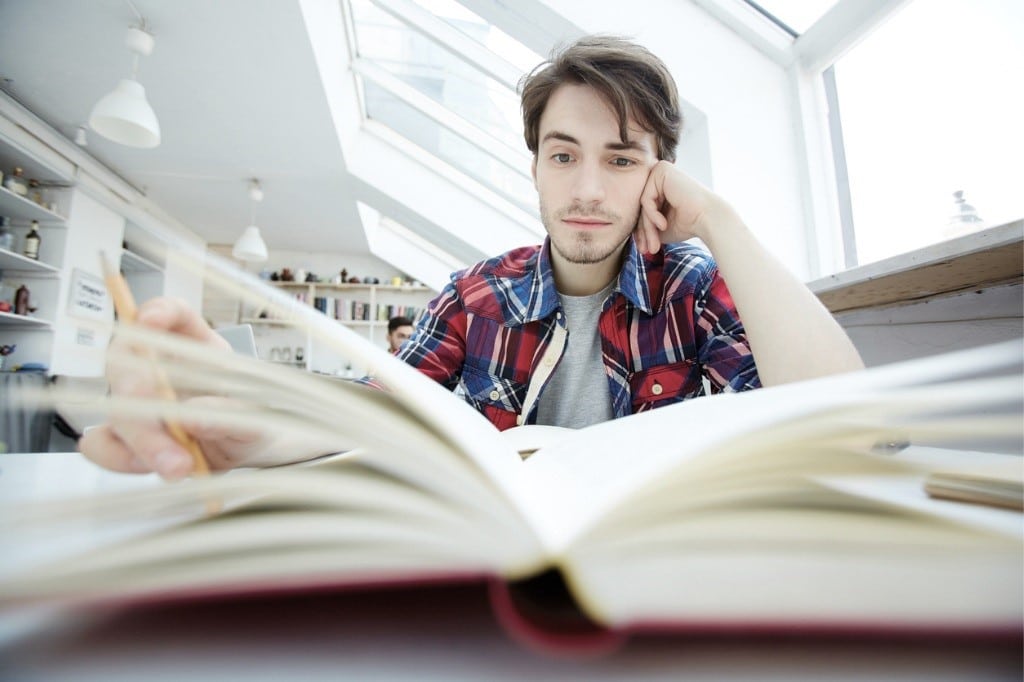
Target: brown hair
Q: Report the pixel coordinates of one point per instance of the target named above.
(635, 84)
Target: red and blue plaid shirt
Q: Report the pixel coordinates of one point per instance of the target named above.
(669, 322)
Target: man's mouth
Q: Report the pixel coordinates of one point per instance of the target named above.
(584, 223)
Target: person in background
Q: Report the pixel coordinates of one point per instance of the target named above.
(399, 330)
(615, 313)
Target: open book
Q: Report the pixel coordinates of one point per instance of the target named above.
(767, 509)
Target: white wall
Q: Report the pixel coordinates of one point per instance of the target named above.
(80, 342)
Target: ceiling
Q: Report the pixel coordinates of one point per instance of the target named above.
(236, 88)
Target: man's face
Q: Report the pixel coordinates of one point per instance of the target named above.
(589, 182)
(399, 336)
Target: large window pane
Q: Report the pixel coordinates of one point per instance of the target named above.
(496, 40)
(931, 104)
(423, 131)
(436, 72)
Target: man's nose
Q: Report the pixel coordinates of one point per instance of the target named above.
(589, 184)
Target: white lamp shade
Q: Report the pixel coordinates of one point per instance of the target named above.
(250, 246)
(125, 116)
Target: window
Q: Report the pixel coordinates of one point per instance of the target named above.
(930, 104)
(794, 15)
(471, 120)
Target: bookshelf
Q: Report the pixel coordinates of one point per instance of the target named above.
(364, 308)
(31, 335)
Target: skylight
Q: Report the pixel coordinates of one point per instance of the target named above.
(428, 91)
(484, 33)
(795, 15)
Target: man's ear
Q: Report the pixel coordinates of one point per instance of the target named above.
(533, 171)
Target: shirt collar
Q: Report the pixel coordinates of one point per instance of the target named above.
(543, 296)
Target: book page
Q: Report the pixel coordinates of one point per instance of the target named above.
(645, 460)
(451, 418)
(336, 521)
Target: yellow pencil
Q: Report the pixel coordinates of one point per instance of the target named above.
(126, 309)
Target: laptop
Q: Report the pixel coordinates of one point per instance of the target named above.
(240, 337)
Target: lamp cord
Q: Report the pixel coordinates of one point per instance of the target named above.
(142, 19)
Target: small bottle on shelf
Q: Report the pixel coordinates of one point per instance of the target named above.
(32, 241)
(6, 236)
(16, 183)
(35, 192)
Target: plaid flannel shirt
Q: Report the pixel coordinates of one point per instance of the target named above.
(669, 322)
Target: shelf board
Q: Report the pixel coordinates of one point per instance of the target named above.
(266, 321)
(289, 285)
(18, 207)
(9, 320)
(294, 323)
(50, 169)
(11, 261)
(132, 262)
(987, 258)
(330, 286)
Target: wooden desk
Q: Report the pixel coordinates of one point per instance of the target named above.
(988, 258)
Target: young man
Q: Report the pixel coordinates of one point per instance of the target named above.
(612, 314)
(399, 330)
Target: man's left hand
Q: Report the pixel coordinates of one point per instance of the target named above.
(673, 208)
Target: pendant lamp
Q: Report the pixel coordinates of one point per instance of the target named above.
(124, 115)
(250, 246)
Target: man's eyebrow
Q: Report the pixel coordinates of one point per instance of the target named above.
(613, 146)
(623, 146)
(564, 137)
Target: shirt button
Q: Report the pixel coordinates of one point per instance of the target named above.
(547, 362)
(656, 389)
(494, 395)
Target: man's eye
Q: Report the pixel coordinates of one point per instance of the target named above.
(622, 162)
(562, 158)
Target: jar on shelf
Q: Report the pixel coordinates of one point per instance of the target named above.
(16, 183)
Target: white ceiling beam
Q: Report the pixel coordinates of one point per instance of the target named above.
(746, 22)
(839, 29)
(516, 159)
(453, 40)
(532, 23)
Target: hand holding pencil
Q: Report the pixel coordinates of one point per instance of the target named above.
(168, 448)
(171, 449)
(127, 312)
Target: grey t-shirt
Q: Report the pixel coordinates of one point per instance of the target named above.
(577, 393)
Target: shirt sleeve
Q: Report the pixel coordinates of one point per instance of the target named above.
(723, 349)
(437, 347)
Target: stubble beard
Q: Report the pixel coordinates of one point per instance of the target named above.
(582, 247)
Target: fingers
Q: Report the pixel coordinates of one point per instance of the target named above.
(104, 447)
(131, 444)
(176, 316)
(153, 447)
(651, 222)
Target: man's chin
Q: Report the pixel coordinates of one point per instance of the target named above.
(585, 252)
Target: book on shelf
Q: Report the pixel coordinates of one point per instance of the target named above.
(730, 512)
